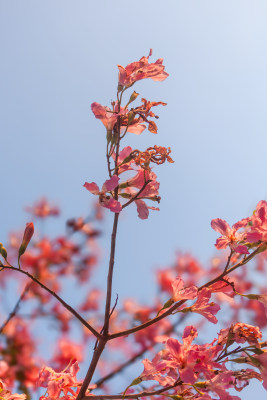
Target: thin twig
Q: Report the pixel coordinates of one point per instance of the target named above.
(67, 306)
(131, 396)
(137, 194)
(16, 307)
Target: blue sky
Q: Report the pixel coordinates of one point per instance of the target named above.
(59, 57)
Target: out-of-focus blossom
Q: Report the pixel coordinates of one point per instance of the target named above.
(43, 209)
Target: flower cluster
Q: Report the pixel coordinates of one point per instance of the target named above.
(120, 120)
(253, 231)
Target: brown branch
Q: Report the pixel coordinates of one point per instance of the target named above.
(110, 274)
(103, 340)
(16, 308)
(177, 305)
(137, 194)
(131, 360)
(67, 306)
(121, 367)
(130, 396)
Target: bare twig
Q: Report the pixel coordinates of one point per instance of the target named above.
(131, 396)
(137, 194)
(16, 307)
(67, 306)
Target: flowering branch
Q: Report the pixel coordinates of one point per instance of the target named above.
(177, 305)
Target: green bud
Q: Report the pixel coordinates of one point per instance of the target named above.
(131, 116)
(109, 135)
(125, 195)
(134, 95)
(123, 185)
(120, 87)
(4, 252)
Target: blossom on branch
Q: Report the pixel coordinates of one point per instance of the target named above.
(230, 237)
(258, 222)
(203, 307)
(105, 200)
(142, 69)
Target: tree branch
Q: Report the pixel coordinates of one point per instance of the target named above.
(67, 306)
(177, 305)
(16, 308)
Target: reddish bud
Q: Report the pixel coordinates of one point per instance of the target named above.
(29, 230)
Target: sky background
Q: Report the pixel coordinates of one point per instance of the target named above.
(59, 57)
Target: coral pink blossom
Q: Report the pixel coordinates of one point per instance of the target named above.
(262, 359)
(43, 209)
(137, 128)
(203, 307)
(124, 160)
(182, 293)
(221, 382)
(240, 333)
(258, 221)
(58, 382)
(106, 200)
(143, 209)
(230, 236)
(152, 371)
(262, 298)
(150, 192)
(105, 114)
(141, 70)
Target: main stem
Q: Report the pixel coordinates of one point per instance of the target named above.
(104, 338)
(110, 274)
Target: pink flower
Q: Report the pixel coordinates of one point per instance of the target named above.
(258, 229)
(240, 333)
(141, 70)
(58, 382)
(203, 307)
(230, 236)
(262, 359)
(138, 181)
(150, 192)
(124, 160)
(105, 200)
(105, 114)
(153, 370)
(224, 380)
(182, 293)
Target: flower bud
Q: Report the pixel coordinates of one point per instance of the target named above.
(131, 116)
(134, 95)
(3, 251)
(29, 230)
